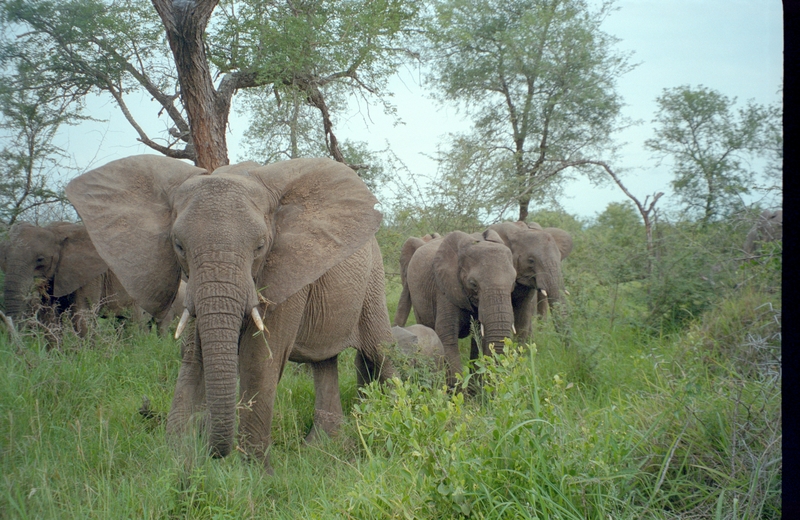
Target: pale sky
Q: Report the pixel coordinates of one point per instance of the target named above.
(733, 46)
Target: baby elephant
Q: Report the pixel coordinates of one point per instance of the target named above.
(420, 345)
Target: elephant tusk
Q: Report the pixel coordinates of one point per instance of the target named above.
(182, 323)
(482, 334)
(513, 329)
(257, 319)
(544, 293)
(566, 292)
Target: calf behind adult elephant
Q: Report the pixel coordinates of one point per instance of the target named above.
(460, 278)
(57, 268)
(538, 253)
(291, 243)
(420, 345)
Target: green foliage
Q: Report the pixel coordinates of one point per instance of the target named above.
(711, 146)
(696, 266)
(30, 162)
(302, 53)
(663, 401)
(539, 77)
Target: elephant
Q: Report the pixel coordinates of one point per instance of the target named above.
(175, 310)
(768, 228)
(538, 253)
(406, 252)
(59, 262)
(282, 264)
(420, 345)
(456, 279)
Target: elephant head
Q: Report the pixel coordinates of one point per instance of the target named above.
(537, 253)
(60, 255)
(243, 235)
(768, 228)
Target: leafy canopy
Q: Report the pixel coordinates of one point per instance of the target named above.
(712, 144)
(539, 78)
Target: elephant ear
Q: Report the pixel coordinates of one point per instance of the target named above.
(533, 225)
(78, 262)
(324, 214)
(446, 268)
(491, 235)
(126, 207)
(563, 240)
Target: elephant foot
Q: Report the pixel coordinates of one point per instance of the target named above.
(326, 424)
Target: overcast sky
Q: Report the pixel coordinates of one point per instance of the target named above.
(733, 46)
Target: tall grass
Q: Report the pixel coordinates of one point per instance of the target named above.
(616, 422)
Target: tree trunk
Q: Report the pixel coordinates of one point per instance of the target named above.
(185, 24)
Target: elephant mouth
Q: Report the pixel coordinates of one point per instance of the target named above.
(185, 319)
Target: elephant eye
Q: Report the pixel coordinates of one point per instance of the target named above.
(472, 284)
(179, 248)
(260, 248)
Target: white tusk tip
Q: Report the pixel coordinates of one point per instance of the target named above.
(257, 319)
(182, 323)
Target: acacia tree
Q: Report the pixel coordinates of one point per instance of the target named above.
(539, 76)
(711, 145)
(29, 120)
(118, 48)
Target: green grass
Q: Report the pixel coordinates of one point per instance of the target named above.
(611, 421)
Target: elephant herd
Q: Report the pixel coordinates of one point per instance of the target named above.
(497, 278)
(274, 263)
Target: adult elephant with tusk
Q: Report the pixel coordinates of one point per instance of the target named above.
(538, 253)
(288, 249)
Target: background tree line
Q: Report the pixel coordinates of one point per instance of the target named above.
(537, 78)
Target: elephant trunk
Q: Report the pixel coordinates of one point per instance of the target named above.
(15, 294)
(552, 282)
(219, 317)
(497, 318)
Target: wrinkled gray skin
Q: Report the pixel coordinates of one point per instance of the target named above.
(420, 345)
(537, 253)
(406, 252)
(457, 278)
(175, 310)
(768, 227)
(293, 240)
(57, 266)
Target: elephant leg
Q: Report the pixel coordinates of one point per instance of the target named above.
(447, 328)
(523, 313)
(328, 413)
(79, 322)
(374, 330)
(261, 363)
(190, 389)
(79, 313)
(403, 307)
(474, 349)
